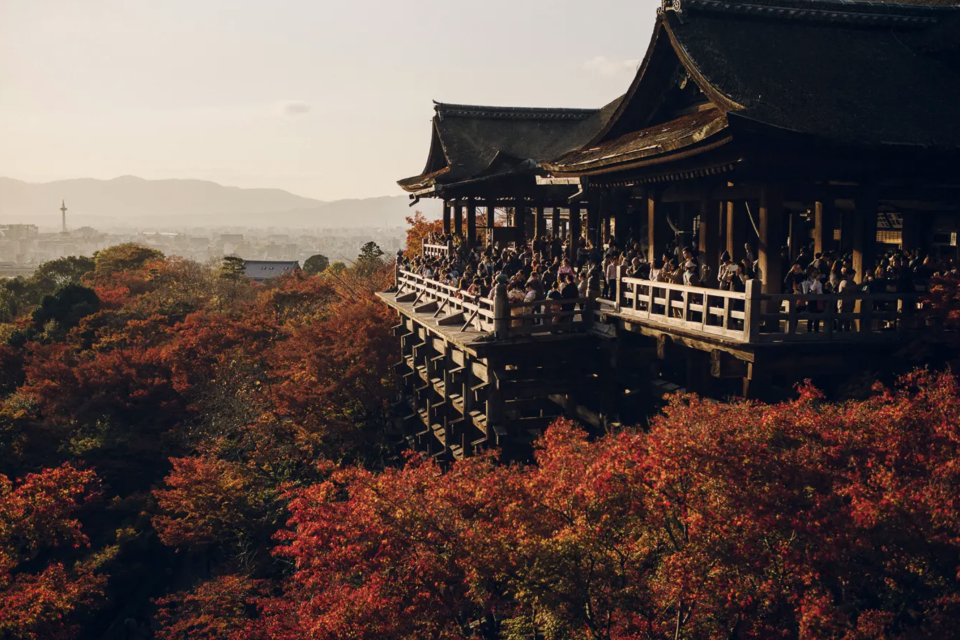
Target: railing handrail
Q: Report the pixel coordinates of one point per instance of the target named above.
(772, 317)
(497, 315)
(736, 295)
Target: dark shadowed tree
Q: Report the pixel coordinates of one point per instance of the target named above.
(315, 265)
(231, 268)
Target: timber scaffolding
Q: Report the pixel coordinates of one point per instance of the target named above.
(479, 372)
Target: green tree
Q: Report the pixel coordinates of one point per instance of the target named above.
(315, 265)
(338, 267)
(54, 274)
(124, 257)
(231, 268)
(369, 259)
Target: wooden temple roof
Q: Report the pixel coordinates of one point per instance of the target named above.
(475, 143)
(869, 75)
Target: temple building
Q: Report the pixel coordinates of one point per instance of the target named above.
(491, 157)
(752, 126)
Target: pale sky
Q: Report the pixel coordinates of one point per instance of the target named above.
(324, 99)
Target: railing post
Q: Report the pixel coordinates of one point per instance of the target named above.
(396, 273)
(618, 288)
(587, 317)
(751, 311)
(501, 311)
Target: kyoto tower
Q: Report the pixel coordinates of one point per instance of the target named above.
(63, 212)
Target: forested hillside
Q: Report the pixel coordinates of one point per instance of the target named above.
(188, 455)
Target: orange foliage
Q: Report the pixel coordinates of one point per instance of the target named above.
(419, 229)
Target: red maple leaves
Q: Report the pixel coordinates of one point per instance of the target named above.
(41, 599)
(803, 519)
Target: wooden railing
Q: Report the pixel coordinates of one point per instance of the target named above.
(435, 250)
(495, 315)
(753, 317)
(477, 311)
(707, 311)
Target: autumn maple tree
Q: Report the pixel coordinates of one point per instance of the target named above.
(804, 519)
(43, 595)
(419, 228)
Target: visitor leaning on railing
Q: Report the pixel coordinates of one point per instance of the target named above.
(821, 294)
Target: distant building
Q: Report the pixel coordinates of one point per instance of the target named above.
(19, 231)
(263, 270)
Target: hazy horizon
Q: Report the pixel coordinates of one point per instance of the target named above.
(131, 201)
(324, 101)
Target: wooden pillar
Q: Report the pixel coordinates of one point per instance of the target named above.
(824, 219)
(709, 238)
(458, 218)
(446, 217)
(796, 234)
(771, 227)
(910, 232)
(471, 223)
(575, 231)
(606, 227)
(539, 222)
(491, 222)
(519, 213)
(555, 222)
(593, 219)
(865, 233)
(845, 221)
(658, 231)
(737, 229)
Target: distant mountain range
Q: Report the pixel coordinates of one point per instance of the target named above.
(129, 201)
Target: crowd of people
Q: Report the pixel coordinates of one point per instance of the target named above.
(549, 268)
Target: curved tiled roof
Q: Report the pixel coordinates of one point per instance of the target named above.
(473, 142)
(860, 74)
(855, 84)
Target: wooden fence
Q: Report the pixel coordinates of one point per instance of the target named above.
(496, 316)
(754, 317)
(435, 250)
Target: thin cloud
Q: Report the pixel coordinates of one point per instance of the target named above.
(608, 67)
(294, 108)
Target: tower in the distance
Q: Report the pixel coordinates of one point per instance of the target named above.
(63, 211)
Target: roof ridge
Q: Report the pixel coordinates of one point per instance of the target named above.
(519, 113)
(863, 12)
